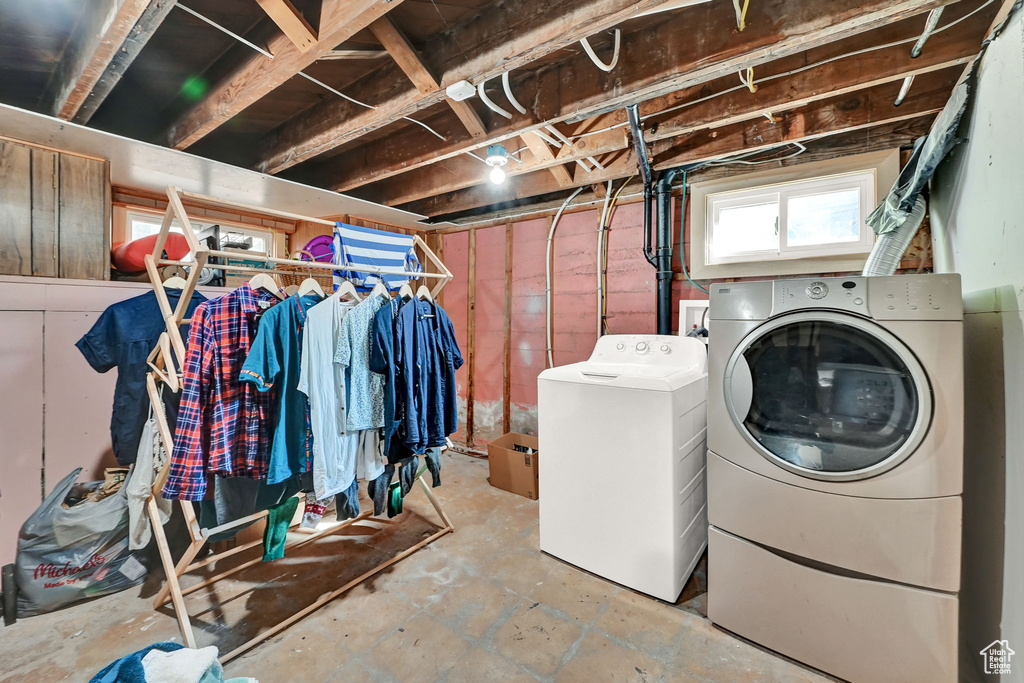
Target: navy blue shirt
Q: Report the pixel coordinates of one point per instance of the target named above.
(382, 361)
(426, 356)
(122, 338)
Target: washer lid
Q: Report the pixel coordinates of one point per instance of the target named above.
(635, 361)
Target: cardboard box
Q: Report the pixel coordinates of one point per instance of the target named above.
(512, 470)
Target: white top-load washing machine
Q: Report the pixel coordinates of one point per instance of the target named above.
(622, 460)
(835, 465)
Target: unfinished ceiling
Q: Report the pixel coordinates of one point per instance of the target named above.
(353, 98)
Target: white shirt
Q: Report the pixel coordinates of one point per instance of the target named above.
(323, 381)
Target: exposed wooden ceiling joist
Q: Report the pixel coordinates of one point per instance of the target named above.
(291, 22)
(836, 115)
(104, 27)
(257, 76)
(655, 61)
(843, 76)
(412, 64)
(489, 44)
(883, 137)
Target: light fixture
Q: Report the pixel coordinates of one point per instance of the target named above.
(497, 156)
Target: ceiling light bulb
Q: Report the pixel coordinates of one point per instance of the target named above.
(497, 175)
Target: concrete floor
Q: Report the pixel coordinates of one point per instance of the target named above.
(477, 605)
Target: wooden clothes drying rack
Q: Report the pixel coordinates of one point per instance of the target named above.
(169, 355)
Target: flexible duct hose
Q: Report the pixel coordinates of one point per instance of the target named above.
(889, 248)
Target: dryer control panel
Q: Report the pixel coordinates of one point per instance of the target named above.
(898, 297)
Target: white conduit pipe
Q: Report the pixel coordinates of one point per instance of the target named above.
(547, 278)
(600, 260)
(491, 105)
(904, 91)
(593, 57)
(929, 29)
(508, 93)
(548, 139)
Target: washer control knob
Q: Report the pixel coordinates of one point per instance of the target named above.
(642, 347)
(817, 290)
(620, 346)
(665, 348)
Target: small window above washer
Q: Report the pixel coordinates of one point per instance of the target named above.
(804, 219)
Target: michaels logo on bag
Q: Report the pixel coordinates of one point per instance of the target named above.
(997, 657)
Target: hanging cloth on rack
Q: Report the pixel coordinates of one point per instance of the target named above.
(273, 363)
(323, 382)
(427, 356)
(122, 338)
(356, 246)
(220, 421)
(364, 389)
(382, 361)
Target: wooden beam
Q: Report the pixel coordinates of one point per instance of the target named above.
(257, 75)
(470, 338)
(697, 107)
(506, 387)
(411, 63)
(102, 29)
(152, 18)
(354, 54)
(833, 116)
(543, 154)
(485, 46)
(660, 59)
(291, 22)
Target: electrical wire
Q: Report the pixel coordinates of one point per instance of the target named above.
(508, 93)
(792, 72)
(604, 277)
(740, 159)
(323, 85)
(615, 54)
(682, 230)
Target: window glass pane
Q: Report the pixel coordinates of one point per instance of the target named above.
(829, 397)
(743, 229)
(142, 227)
(824, 218)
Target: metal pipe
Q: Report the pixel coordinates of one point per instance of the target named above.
(663, 248)
(889, 248)
(929, 29)
(640, 149)
(547, 278)
(601, 223)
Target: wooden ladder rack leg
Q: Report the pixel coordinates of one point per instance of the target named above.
(164, 363)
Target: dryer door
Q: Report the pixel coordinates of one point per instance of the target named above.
(828, 395)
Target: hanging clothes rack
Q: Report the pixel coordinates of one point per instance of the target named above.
(164, 363)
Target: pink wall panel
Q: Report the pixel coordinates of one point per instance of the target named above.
(455, 302)
(21, 423)
(489, 376)
(529, 240)
(574, 287)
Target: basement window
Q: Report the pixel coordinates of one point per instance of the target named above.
(803, 219)
(231, 236)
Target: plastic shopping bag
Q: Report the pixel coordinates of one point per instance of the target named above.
(66, 555)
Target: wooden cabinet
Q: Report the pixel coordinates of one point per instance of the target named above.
(54, 214)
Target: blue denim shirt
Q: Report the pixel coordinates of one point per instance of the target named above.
(426, 356)
(382, 361)
(122, 338)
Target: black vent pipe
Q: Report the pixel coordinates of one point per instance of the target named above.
(663, 248)
(640, 149)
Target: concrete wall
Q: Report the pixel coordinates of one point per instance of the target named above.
(978, 230)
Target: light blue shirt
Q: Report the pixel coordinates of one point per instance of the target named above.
(364, 389)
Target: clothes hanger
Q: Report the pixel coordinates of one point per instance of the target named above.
(347, 289)
(380, 289)
(264, 281)
(310, 286)
(175, 282)
(291, 289)
(424, 294)
(406, 291)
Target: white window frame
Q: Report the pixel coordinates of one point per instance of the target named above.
(157, 218)
(879, 169)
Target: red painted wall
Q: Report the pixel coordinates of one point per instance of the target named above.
(631, 305)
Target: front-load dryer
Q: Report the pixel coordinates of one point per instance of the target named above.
(622, 461)
(835, 463)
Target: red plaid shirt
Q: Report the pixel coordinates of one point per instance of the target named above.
(224, 425)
